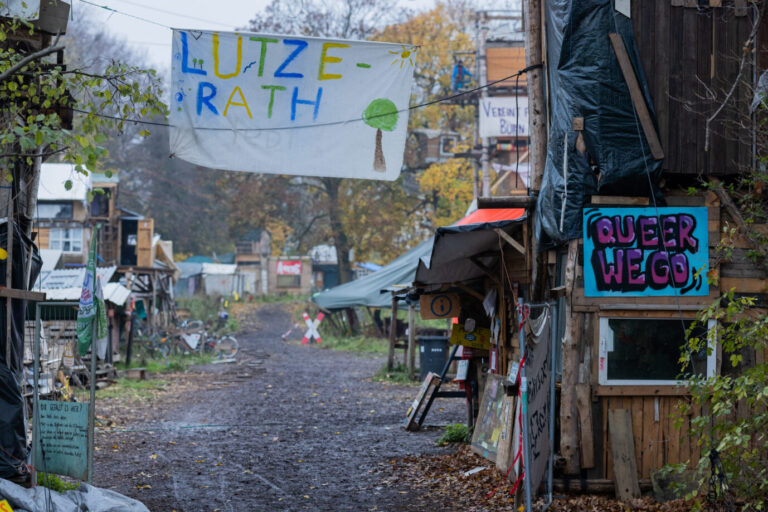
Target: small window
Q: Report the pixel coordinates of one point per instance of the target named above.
(100, 204)
(66, 239)
(447, 145)
(288, 281)
(637, 351)
(54, 210)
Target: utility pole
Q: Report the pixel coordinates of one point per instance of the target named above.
(481, 24)
(482, 76)
(537, 107)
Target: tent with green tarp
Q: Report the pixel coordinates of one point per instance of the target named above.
(367, 291)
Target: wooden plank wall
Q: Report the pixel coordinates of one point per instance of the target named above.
(686, 51)
(657, 441)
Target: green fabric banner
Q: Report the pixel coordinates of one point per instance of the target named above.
(91, 304)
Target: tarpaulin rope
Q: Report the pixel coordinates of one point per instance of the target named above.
(23, 467)
(317, 125)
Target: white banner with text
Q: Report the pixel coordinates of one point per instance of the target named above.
(289, 104)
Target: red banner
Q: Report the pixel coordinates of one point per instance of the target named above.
(289, 268)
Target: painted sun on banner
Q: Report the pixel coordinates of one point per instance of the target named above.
(290, 105)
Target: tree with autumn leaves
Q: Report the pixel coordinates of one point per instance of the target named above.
(375, 220)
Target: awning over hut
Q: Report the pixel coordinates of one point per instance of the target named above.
(463, 250)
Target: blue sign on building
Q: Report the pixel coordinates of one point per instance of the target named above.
(637, 252)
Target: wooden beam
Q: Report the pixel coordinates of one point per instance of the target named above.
(511, 241)
(587, 436)
(592, 486)
(392, 335)
(623, 452)
(637, 96)
(469, 291)
(487, 271)
(634, 201)
(557, 292)
(11, 293)
(638, 391)
(569, 426)
(733, 212)
(521, 201)
(411, 341)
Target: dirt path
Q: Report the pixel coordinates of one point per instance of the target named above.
(299, 428)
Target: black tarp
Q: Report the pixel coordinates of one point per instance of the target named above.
(13, 445)
(22, 246)
(585, 81)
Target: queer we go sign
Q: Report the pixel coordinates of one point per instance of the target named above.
(645, 252)
(290, 105)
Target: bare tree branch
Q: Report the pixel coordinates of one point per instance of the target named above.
(26, 60)
(33, 155)
(742, 65)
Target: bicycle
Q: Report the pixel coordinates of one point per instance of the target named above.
(224, 347)
(157, 344)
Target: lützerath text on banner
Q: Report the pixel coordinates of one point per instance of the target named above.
(289, 104)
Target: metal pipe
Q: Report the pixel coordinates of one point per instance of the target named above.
(553, 349)
(524, 412)
(36, 394)
(92, 404)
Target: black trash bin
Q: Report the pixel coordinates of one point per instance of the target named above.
(433, 352)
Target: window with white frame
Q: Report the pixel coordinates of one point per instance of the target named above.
(646, 351)
(66, 239)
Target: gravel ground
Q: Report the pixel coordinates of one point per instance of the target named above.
(287, 427)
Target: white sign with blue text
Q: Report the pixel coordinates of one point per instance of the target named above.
(504, 116)
(290, 104)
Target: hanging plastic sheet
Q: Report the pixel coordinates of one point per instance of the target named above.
(13, 446)
(23, 250)
(13, 441)
(586, 82)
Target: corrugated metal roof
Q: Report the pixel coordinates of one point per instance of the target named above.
(50, 258)
(67, 283)
(218, 268)
(68, 294)
(53, 178)
(116, 293)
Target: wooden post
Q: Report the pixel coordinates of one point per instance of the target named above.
(536, 98)
(411, 342)
(482, 78)
(569, 426)
(129, 343)
(8, 281)
(392, 335)
(537, 107)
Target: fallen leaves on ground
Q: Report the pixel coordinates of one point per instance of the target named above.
(440, 479)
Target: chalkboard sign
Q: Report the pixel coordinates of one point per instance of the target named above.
(490, 426)
(427, 387)
(62, 443)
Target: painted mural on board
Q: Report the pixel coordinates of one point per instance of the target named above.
(646, 252)
(289, 104)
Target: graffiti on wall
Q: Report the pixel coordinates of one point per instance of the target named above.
(646, 252)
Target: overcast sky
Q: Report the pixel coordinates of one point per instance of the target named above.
(202, 14)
